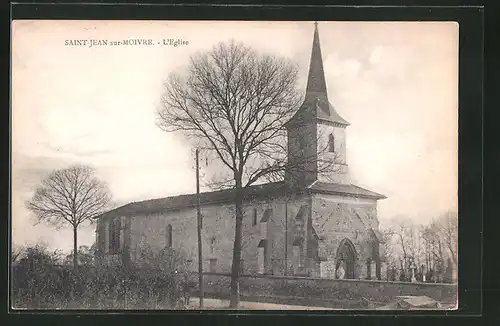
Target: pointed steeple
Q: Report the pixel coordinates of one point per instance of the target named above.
(316, 93)
(316, 80)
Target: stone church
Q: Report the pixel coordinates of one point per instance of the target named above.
(310, 224)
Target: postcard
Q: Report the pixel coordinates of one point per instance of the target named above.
(254, 165)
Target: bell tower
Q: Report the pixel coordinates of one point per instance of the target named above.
(316, 133)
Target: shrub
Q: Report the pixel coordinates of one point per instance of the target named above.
(153, 281)
(36, 278)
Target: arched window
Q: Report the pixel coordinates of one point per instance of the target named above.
(369, 269)
(331, 143)
(254, 217)
(169, 236)
(114, 235)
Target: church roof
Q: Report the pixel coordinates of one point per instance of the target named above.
(263, 191)
(316, 98)
(344, 189)
(255, 192)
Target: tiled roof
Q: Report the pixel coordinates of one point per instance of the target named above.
(317, 106)
(344, 189)
(326, 111)
(183, 201)
(263, 191)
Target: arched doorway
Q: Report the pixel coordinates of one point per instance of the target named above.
(346, 259)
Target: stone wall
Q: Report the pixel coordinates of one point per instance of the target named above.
(335, 218)
(313, 289)
(332, 218)
(218, 224)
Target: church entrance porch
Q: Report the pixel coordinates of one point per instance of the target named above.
(345, 266)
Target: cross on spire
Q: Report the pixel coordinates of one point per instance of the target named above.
(316, 92)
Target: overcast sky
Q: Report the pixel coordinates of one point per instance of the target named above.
(396, 83)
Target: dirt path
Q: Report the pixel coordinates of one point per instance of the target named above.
(209, 304)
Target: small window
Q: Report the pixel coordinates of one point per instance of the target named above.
(213, 265)
(261, 258)
(254, 217)
(331, 143)
(297, 257)
(263, 222)
(212, 245)
(169, 236)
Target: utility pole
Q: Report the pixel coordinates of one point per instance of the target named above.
(200, 258)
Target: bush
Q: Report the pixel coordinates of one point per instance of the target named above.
(154, 281)
(37, 281)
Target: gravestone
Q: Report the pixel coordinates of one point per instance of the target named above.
(412, 267)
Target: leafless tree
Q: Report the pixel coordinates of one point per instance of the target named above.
(388, 245)
(437, 247)
(449, 232)
(429, 244)
(234, 103)
(407, 245)
(402, 240)
(16, 253)
(415, 245)
(71, 196)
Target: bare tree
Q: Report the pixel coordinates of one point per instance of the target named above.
(449, 232)
(428, 244)
(234, 103)
(432, 246)
(70, 196)
(16, 253)
(402, 240)
(415, 245)
(388, 246)
(437, 247)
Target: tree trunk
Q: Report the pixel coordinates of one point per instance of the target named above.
(235, 270)
(75, 248)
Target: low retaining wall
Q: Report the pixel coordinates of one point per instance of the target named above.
(340, 291)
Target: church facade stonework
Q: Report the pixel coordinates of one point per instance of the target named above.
(314, 223)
